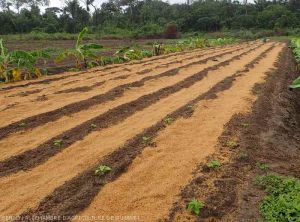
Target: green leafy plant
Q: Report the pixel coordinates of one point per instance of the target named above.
(146, 139)
(83, 53)
(232, 144)
(282, 202)
(169, 120)
(93, 126)
(58, 142)
(191, 107)
(18, 64)
(22, 124)
(295, 44)
(195, 206)
(295, 84)
(102, 169)
(214, 164)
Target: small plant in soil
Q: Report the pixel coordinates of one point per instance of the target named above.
(262, 166)
(214, 164)
(57, 143)
(93, 126)
(169, 120)
(191, 107)
(146, 139)
(195, 206)
(232, 144)
(102, 169)
(22, 124)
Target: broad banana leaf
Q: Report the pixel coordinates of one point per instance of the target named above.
(91, 46)
(295, 84)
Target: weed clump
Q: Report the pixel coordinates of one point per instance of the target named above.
(282, 202)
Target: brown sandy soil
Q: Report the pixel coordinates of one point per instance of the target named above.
(93, 146)
(152, 181)
(50, 101)
(20, 142)
(88, 79)
(201, 93)
(268, 134)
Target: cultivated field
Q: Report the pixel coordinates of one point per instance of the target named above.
(153, 122)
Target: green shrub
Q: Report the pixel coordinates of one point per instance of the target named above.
(282, 202)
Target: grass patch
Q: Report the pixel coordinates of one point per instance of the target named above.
(282, 202)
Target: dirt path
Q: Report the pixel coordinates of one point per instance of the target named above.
(197, 88)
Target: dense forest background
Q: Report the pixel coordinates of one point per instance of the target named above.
(148, 17)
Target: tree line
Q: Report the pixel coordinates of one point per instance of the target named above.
(147, 17)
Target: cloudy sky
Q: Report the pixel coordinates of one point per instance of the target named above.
(60, 3)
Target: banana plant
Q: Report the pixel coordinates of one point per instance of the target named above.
(25, 63)
(295, 44)
(18, 64)
(83, 53)
(5, 61)
(295, 84)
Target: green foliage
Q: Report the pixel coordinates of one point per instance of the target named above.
(132, 53)
(58, 142)
(82, 52)
(295, 44)
(146, 139)
(150, 30)
(169, 120)
(295, 84)
(117, 19)
(282, 202)
(93, 126)
(102, 169)
(195, 206)
(22, 124)
(18, 64)
(214, 164)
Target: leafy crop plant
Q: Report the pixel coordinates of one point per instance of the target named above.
(18, 64)
(83, 53)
